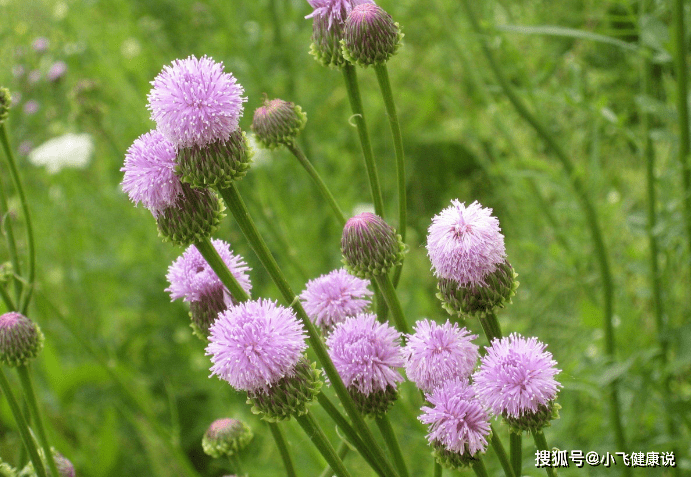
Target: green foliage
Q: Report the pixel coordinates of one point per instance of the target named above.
(124, 383)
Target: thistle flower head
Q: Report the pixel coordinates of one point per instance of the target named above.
(516, 377)
(458, 422)
(226, 437)
(370, 246)
(255, 344)
(370, 36)
(331, 298)
(150, 172)
(194, 216)
(5, 103)
(277, 122)
(465, 244)
(191, 277)
(439, 353)
(20, 339)
(335, 11)
(366, 353)
(195, 103)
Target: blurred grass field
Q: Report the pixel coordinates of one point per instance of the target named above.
(124, 383)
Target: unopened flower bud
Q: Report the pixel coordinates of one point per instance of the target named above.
(326, 42)
(204, 312)
(5, 103)
(277, 123)
(217, 164)
(370, 246)
(226, 437)
(370, 36)
(195, 215)
(20, 339)
(534, 421)
(65, 467)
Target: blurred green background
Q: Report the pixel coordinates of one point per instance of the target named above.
(125, 385)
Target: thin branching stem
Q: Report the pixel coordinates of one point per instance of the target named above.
(8, 229)
(389, 436)
(277, 434)
(316, 435)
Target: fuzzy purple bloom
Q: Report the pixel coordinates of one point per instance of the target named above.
(40, 44)
(465, 244)
(150, 172)
(516, 376)
(195, 103)
(331, 298)
(255, 344)
(439, 353)
(57, 71)
(335, 10)
(31, 107)
(191, 278)
(458, 420)
(366, 353)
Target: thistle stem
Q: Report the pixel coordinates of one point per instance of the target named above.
(498, 449)
(516, 446)
(683, 110)
(589, 210)
(490, 325)
(541, 444)
(236, 465)
(342, 452)
(385, 87)
(7, 299)
(392, 302)
(326, 193)
(350, 76)
(235, 204)
(437, 469)
(28, 290)
(316, 435)
(30, 396)
(282, 449)
(479, 468)
(353, 437)
(6, 226)
(389, 436)
(210, 254)
(24, 431)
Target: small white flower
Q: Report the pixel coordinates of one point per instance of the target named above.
(69, 150)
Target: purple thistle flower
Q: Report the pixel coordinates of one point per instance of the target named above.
(516, 376)
(458, 420)
(366, 353)
(331, 298)
(150, 172)
(195, 103)
(465, 244)
(57, 71)
(335, 10)
(191, 278)
(439, 353)
(255, 344)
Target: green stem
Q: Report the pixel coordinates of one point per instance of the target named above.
(354, 439)
(389, 436)
(30, 396)
(541, 444)
(6, 225)
(437, 469)
(385, 87)
(283, 449)
(342, 452)
(479, 468)
(490, 325)
(661, 325)
(350, 76)
(210, 254)
(392, 302)
(683, 109)
(326, 193)
(7, 299)
(498, 449)
(316, 435)
(26, 295)
(516, 446)
(236, 465)
(591, 216)
(24, 431)
(235, 204)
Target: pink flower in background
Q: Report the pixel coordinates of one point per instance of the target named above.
(57, 71)
(31, 107)
(40, 44)
(25, 147)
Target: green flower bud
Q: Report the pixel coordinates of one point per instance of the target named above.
(370, 246)
(534, 421)
(195, 215)
(205, 311)
(277, 123)
(370, 36)
(226, 437)
(326, 42)
(20, 339)
(5, 103)
(377, 403)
